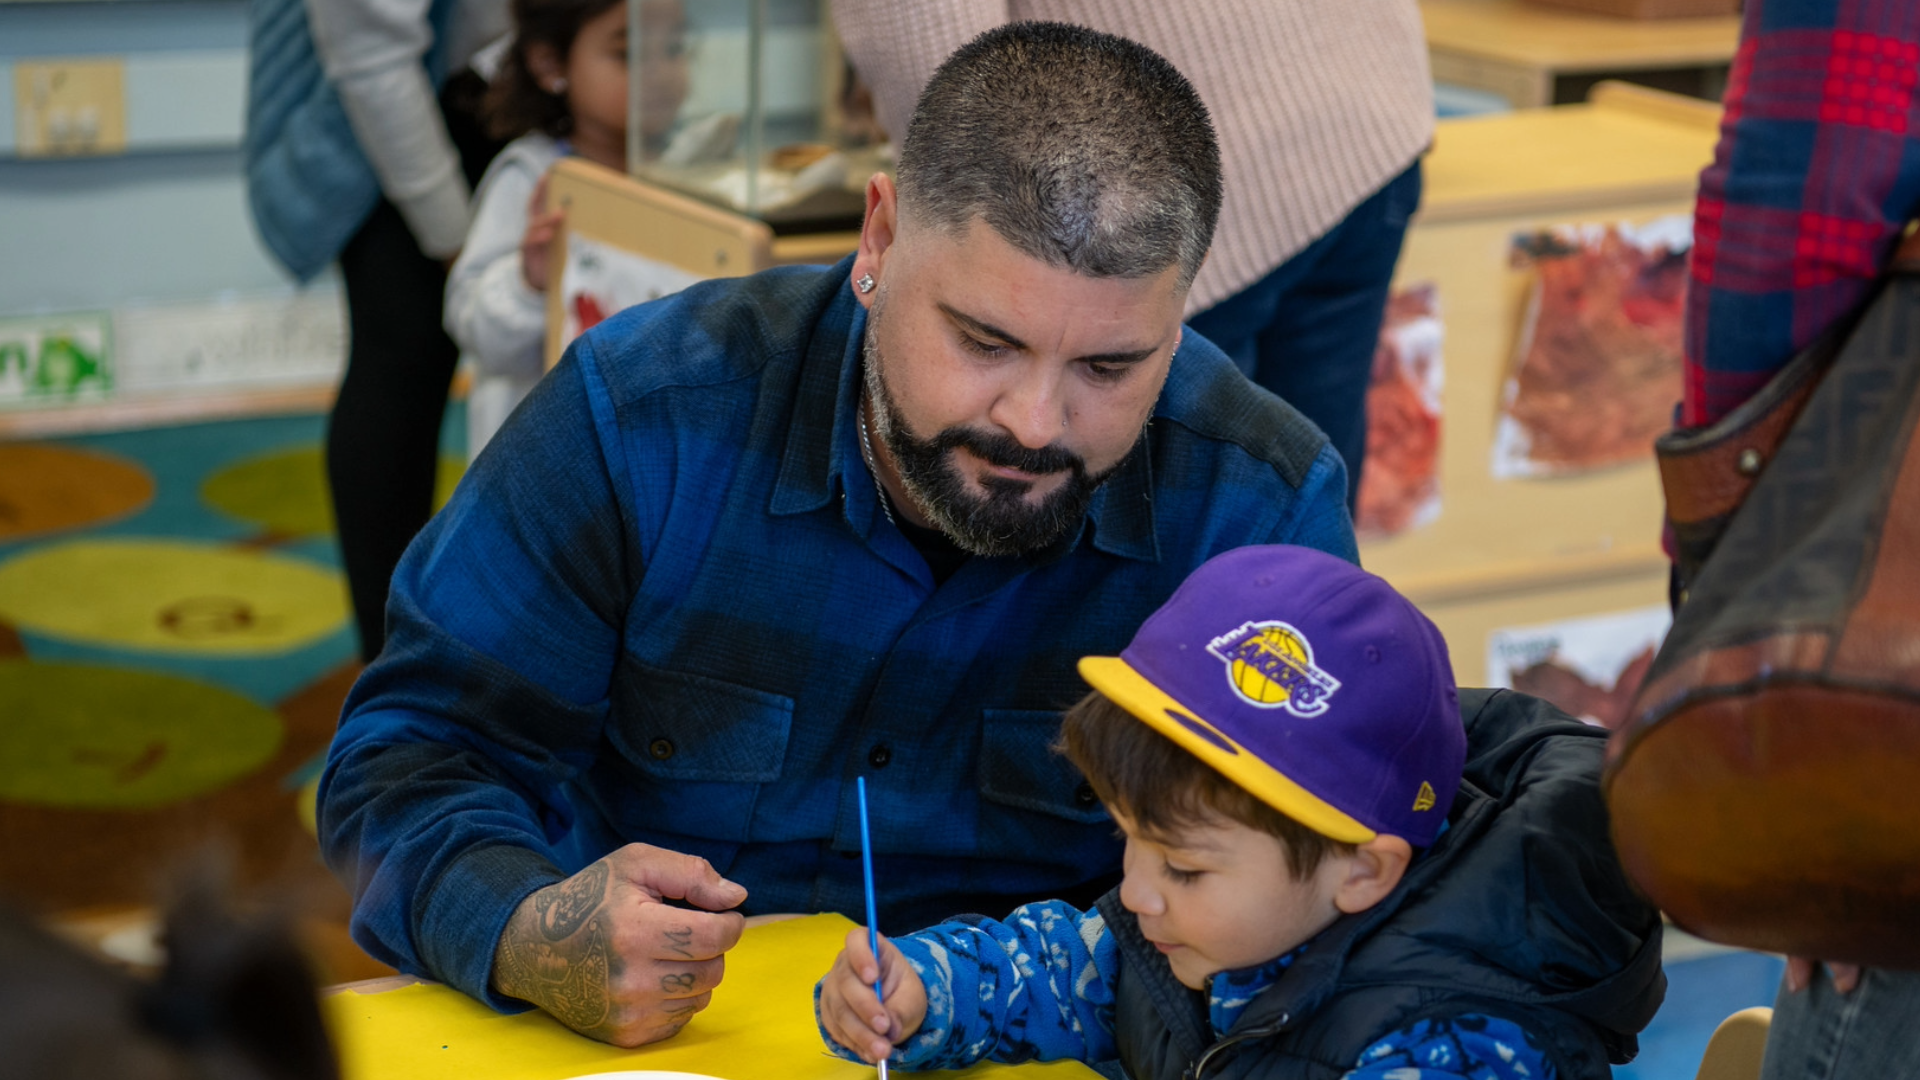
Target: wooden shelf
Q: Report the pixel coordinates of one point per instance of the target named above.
(1520, 51)
(1570, 42)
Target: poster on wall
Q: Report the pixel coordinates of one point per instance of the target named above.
(1400, 482)
(1591, 667)
(600, 280)
(1596, 370)
(56, 359)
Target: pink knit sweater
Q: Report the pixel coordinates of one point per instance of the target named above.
(1317, 103)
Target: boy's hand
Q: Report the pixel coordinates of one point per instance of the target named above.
(536, 247)
(848, 1009)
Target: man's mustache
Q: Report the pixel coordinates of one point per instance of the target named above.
(1007, 452)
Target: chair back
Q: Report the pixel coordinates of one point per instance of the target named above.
(1737, 1046)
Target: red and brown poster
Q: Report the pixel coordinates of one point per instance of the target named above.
(1591, 667)
(1596, 372)
(1400, 483)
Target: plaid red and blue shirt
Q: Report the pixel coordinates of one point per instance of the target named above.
(1816, 173)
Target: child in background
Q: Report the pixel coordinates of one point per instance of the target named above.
(561, 89)
(1310, 889)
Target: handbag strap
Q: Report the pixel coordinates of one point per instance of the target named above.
(1707, 472)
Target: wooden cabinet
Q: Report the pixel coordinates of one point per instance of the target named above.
(1507, 552)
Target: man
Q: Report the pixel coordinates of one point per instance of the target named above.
(756, 539)
(1323, 108)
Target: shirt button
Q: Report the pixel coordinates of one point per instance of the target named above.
(661, 749)
(879, 756)
(1084, 794)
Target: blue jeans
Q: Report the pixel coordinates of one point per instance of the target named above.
(1872, 1033)
(1307, 331)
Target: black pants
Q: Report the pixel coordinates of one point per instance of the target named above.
(383, 436)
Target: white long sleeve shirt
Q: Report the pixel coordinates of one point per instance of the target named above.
(372, 52)
(498, 321)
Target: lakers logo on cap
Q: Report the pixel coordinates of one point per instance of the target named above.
(1425, 799)
(1270, 664)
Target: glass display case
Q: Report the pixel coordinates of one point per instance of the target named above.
(749, 105)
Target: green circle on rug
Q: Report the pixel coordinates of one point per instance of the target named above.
(285, 492)
(107, 738)
(171, 596)
(47, 489)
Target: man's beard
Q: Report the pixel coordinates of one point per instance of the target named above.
(1001, 522)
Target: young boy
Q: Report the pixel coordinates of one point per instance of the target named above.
(1311, 889)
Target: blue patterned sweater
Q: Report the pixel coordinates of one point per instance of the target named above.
(1039, 986)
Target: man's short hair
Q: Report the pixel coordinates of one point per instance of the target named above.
(1081, 149)
(1165, 789)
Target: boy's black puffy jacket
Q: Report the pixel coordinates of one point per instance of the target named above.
(1520, 910)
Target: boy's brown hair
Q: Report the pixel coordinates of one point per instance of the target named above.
(1164, 789)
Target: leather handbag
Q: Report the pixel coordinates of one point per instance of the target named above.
(1765, 789)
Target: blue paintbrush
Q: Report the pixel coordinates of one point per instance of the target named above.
(866, 867)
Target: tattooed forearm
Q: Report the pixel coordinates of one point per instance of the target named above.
(563, 909)
(677, 984)
(680, 941)
(580, 998)
(569, 979)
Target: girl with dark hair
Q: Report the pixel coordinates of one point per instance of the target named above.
(561, 89)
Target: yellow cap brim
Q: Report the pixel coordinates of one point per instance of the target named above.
(1130, 690)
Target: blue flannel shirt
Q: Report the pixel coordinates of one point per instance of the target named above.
(1039, 986)
(665, 606)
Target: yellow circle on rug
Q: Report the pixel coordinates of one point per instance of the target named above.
(285, 492)
(109, 738)
(171, 596)
(48, 489)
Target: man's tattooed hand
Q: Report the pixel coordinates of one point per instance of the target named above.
(607, 958)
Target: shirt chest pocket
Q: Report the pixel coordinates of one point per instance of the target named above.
(692, 728)
(1019, 770)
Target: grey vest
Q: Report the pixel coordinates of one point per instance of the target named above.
(1520, 910)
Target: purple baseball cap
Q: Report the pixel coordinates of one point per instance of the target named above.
(1307, 681)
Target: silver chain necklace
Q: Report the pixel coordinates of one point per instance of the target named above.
(866, 454)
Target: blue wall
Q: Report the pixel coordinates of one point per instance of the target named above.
(166, 221)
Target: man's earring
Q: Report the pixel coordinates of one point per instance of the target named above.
(557, 87)
(864, 284)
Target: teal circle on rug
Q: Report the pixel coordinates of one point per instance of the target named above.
(82, 736)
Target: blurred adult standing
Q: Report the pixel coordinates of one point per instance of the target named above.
(1323, 108)
(1816, 175)
(363, 145)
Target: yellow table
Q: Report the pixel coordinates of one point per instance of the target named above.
(1523, 53)
(760, 1025)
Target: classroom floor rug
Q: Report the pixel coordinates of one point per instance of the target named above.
(175, 643)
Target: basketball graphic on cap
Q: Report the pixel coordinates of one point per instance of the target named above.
(1270, 664)
(1253, 683)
